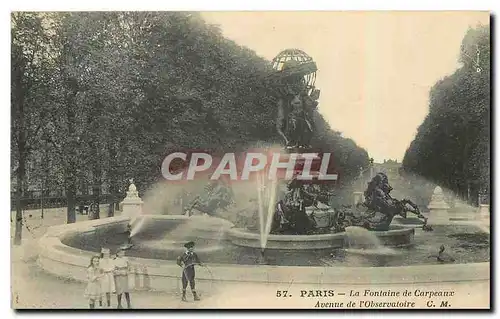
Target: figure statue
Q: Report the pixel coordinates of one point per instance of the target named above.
(290, 213)
(297, 99)
(443, 257)
(377, 194)
(128, 232)
(280, 221)
(295, 109)
(217, 196)
(379, 207)
(299, 195)
(379, 220)
(338, 222)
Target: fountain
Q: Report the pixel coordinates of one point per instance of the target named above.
(296, 235)
(303, 220)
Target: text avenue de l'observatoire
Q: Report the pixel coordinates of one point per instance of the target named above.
(370, 298)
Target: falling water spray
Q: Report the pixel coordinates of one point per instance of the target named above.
(270, 212)
(260, 188)
(137, 224)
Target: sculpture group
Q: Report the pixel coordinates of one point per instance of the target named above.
(304, 208)
(375, 213)
(297, 99)
(296, 102)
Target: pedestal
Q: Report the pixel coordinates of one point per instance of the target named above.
(131, 209)
(438, 216)
(438, 208)
(132, 204)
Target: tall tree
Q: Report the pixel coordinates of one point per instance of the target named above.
(30, 80)
(451, 147)
(128, 87)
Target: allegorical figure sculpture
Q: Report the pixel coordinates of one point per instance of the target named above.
(295, 109)
(296, 101)
(217, 195)
(297, 97)
(290, 213)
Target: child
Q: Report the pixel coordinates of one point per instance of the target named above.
(93, 290)
(187, 262)
(121, 278)
(108, 280)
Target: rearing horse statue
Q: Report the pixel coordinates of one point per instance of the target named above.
(380, 220)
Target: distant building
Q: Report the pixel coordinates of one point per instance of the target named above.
(390, 167)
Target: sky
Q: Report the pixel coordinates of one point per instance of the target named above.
(375, 69)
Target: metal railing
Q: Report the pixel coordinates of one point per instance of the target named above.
(42, 202)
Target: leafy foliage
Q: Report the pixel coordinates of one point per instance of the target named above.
(120, 90)
(451, 147)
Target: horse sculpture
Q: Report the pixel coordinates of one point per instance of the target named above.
(292, 217)
(378, 220)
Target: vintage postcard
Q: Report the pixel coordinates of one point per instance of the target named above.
(250, 160)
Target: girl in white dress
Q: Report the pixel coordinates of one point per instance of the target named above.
(94, 274)
(121, 278)
(107, 266)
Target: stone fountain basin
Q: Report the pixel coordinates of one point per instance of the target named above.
(246, 238)
(207, 232)
(396, 236)
(64, 261)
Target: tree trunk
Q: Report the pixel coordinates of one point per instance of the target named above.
(71, 202)
(94, 144)
(113, 193)
(96, 191)
(96, 179)
(71, 155)
(465, 161)
(112, 172)
(111, 209)
(19, 204)
(84, 189)
(71, 186)
(18, 97)
(21, 172)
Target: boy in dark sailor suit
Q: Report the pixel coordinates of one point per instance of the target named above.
(187, 262)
